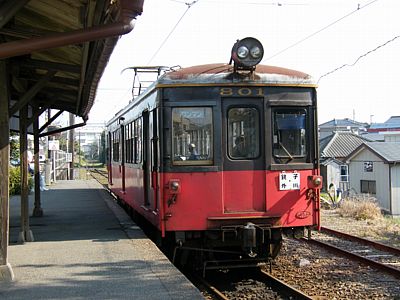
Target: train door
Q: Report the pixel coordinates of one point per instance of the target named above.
(109, 157)
(244, 158)
(146, 159)
(122, 158)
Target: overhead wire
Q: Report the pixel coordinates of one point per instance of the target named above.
(359, 58)
(189, 5)
(322, 29)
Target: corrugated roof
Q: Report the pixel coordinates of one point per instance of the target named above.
(389, 151)
(329, 161)
(342, 123)
(340, 144)
(392, 123)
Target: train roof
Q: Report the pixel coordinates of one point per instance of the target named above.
(224, 74)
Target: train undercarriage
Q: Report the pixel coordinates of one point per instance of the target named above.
(233, 246)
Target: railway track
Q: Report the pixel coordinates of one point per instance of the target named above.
(249, 284)
(319, 280)
(257, 282)
(100, 175)
(376, 255)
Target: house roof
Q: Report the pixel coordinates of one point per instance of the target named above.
(340, 144)
(330, 161)
(387, 151)
(342, 123)
(374, 136)
(392, 123)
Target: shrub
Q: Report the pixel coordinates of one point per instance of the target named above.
(360, 208)
(15, 181)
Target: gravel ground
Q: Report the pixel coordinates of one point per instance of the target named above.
(323, 275)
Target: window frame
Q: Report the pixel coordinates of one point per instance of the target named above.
(197, 162)
(346, 176)
(370, 185)
(116, 137)
(231, 138)
(307, 142)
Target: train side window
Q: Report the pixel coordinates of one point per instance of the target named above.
(115, 145)
(129, 143)
(138, 141)
(289, 134)
(192, 136)
(243, 133)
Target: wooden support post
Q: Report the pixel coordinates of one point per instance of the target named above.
(37, 210)
(6, 273)
(25, 234)
(71, 146)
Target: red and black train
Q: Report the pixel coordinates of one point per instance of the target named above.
(222, 159)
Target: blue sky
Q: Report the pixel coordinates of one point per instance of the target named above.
(313, 36)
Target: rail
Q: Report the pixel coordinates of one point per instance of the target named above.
(353, 256)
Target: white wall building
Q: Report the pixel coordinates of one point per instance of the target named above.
(89, 137)
(374, 168)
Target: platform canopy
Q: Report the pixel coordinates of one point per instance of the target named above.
(57, 50)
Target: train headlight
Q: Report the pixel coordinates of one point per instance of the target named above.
(242, 52)
(247, 53)
(314, 182)
(256, 52)
(174, 186)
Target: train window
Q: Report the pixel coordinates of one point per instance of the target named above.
(138, 140)
(192, 136)
(243, 133)
(289, 135)
(129, 143)
(115, 145)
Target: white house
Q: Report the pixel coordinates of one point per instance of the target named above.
(374, 168)
(333, 151)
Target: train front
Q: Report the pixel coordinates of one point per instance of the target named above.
(240, 164)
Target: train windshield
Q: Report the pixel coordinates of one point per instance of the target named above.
(192, 136)
(289, 134)
(243, 133)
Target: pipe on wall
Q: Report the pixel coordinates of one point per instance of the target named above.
(129, 11)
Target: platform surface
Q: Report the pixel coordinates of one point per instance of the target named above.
(86, 247)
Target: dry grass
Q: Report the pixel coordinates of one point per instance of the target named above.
(360, 208)
(361, 216)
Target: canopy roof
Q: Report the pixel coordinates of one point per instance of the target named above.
(56, 51)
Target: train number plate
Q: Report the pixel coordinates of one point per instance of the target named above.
(289, 181)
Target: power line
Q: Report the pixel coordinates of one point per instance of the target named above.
(253, 3)
(358, 59)
(189, 5)
(322, 29)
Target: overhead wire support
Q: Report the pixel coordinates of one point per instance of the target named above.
(322, 29)
(189, 5)
(358, 59)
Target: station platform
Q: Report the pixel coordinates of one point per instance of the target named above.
(87, 247)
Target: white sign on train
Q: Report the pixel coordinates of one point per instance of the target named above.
(289, 181)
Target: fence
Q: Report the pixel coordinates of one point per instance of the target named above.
(57, 167)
